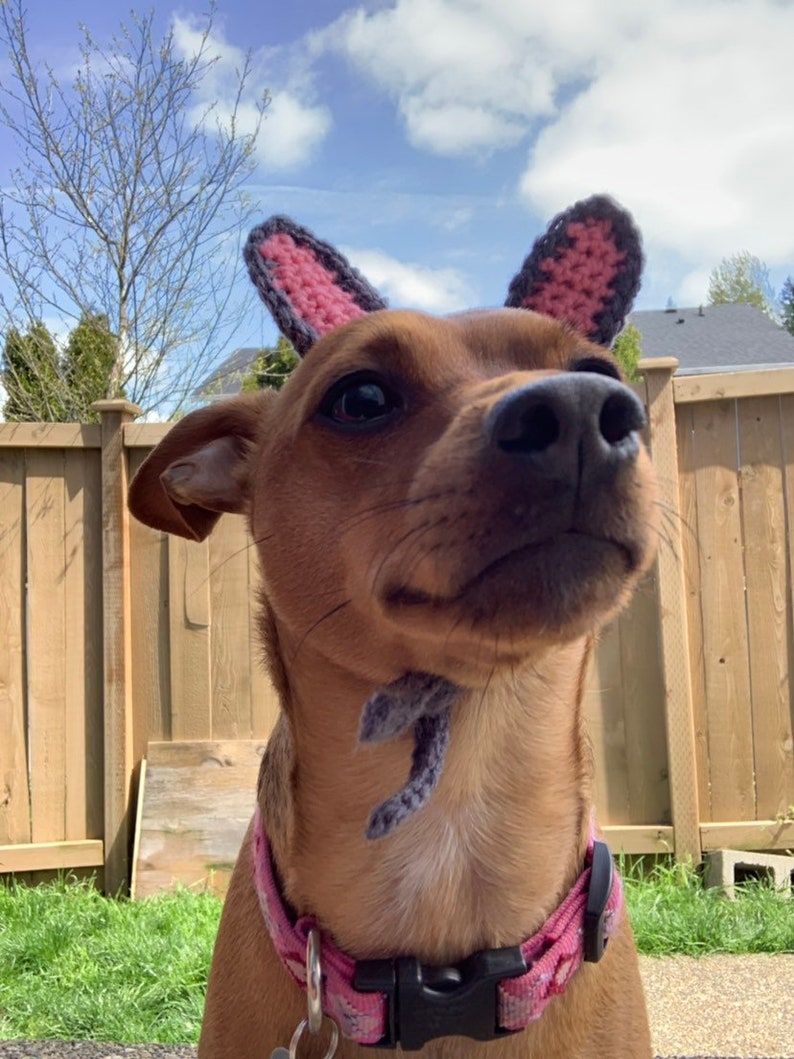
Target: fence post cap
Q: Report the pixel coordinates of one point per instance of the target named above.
(657, 364)
(117, 404)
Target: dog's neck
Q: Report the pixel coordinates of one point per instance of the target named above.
(484, 862)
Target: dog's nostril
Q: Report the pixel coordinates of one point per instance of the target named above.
(534, 430)
(621, 415)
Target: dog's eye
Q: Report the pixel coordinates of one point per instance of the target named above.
(597, 365)
(359, 400)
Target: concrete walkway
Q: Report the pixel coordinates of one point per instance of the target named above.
(737, 1006)
(719, 1007)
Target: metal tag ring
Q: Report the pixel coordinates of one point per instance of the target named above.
(314, 982)
(302, 1027)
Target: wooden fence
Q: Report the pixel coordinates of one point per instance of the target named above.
(112, 635)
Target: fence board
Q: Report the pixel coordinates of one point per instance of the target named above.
(230, 631)
(46, 649)
(764, 523)
(725, 657)
(149, 604)
(75, 667)
(43, 856)
(14, 804)
(605, 713)
(120, 713)
(642, 680)
(38, 436)
(189, 610)
(633, 839)
(749, 834)
(94, 622)
(179, 839)
(733, 385)
(690, 566)
(83, 645)
(787, 435)
(673, 634)
(264, 701)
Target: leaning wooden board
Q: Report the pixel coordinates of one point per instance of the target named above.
(195, 803)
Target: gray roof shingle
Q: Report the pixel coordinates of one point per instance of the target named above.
(714, 337)
(227, 379)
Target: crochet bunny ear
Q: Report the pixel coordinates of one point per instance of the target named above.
(309, 287)
(584, 270)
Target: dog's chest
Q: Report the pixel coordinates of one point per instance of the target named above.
(437, 889)
(436, 856)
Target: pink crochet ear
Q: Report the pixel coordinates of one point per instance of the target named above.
(309, 287)
(584, 270)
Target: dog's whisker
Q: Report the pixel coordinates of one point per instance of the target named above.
(227, 559)
(418, 554)
(487, 686)
(355, 520)
(388, 553)
(328, 614)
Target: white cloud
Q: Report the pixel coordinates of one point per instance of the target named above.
(292, 132)
(293, 126)
(411, 286)
(680, 108)
(475, 76)
(693, 289)
(691, 127)
(454, 128)
(189, 38)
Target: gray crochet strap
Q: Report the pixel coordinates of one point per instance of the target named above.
(421, 702)
(431, 739)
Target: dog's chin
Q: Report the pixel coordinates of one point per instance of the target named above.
(558, 589)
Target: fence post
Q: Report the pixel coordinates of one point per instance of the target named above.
(674, 634)
(119, 759)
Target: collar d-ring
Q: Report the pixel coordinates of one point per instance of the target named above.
(314, 982)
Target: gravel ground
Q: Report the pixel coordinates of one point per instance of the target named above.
(718, 1007)
(721, 1005)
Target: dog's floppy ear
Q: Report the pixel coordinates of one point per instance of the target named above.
(309, 287)
(200, 468)
(584, 270)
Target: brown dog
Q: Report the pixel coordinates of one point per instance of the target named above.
(446, 511)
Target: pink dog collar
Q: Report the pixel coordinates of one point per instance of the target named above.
(578, 930)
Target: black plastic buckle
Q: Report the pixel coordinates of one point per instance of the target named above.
(600, 888)
(424, 1002)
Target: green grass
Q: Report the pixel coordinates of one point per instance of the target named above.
(674, 914)
(77, 966)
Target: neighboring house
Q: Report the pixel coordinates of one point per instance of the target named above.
(227, 379)
(711, 338)
(714, 338)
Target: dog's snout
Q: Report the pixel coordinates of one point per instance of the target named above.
(561, 421)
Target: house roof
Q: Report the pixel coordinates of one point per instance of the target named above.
(227, 378)
(709, 338)
(714, 337)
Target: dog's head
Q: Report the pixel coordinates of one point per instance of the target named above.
(434, 494)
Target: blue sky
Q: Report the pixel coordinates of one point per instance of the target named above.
(433, 139)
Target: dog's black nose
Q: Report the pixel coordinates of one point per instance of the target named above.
(567, 424)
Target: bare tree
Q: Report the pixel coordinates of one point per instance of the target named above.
(127, 200)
